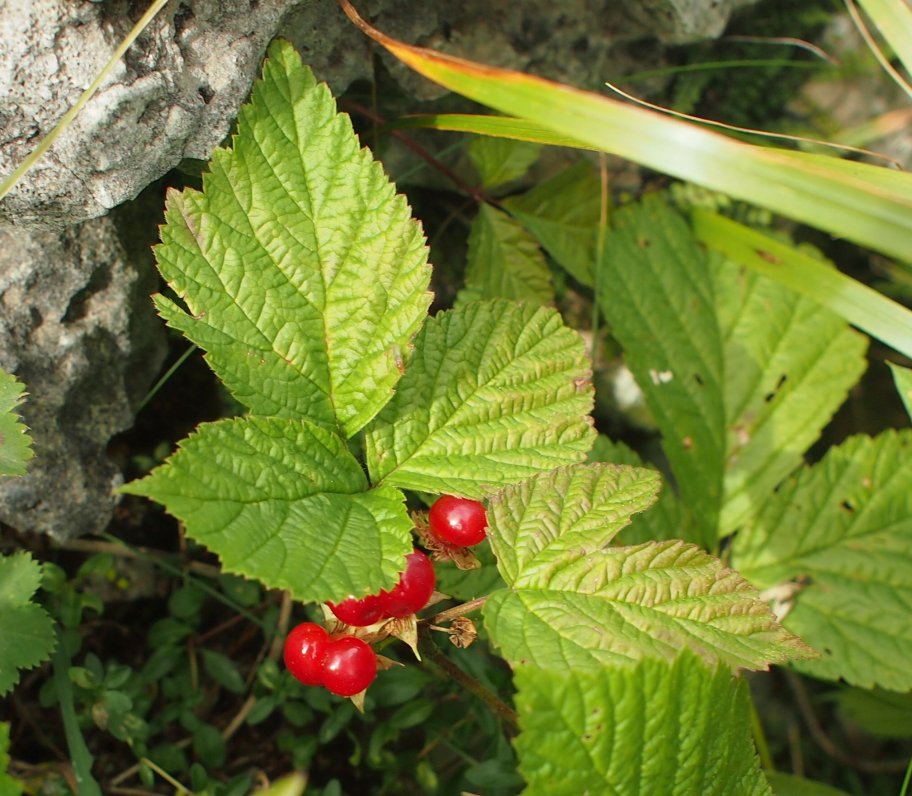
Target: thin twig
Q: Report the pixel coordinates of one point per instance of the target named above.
(806, 709)
(458, 610)
(476, 193)
(430, 652)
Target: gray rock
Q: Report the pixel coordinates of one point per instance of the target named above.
(78, 329)
(177, 90)
(173, 96)
(76, 325)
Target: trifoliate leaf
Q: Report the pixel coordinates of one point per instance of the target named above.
(841, 533)
(284, 501)
(673, 728)
(8, 785)
(563, 215)
(789, 364)
(15, 444)
(303, 274)
(903, 379)
(26, 631)
(668, 518)
(501, 160)
(504, 262)
(539, 525)
(495, 392)
(657, 295)
(572, 602)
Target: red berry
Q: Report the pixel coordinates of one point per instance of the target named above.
(349, 666)
(458, 521)
(305, 649)
(415, 587)
(358, 613)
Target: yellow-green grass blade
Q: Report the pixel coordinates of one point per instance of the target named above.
(894, 21)
(859, 206)
(494, 126)
(867, 309)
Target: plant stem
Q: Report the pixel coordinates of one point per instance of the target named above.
(459, 610)
(477, 194)
(79, 753)
(766, 759)
(803, 701)
(430, 652)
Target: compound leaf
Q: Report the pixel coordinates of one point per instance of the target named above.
(495, 392)
(839, 535)
(284, 501)
(15, 444)
(303, 274)
(657, 295)
(26, 631)
(674, 728)
(563, 214)
(573, 603)
(504, 261)
(789, 364)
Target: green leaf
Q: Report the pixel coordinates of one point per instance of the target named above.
(500, 160)
(789, 785)
(209, 745)
(504, 262)
(15, 444)
(838, 536)
(668, 518)
(881, 713)
(789, 365)
(26, 631)
(563, 214)
(224, 671)
(8, 785)
(657, 295)
(284, 501)
(903, 379)
(495, 392)
(540, 525)
(673, 728)
(272, 258)
(572, 602)
(857, 303)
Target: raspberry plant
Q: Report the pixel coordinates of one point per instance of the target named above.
(302, 275)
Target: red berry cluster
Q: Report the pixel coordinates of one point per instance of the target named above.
(346, 665)
(409, 595)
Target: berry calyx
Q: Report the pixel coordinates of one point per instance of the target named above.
(458, 521)
(304, 653)
(359, 613)
(415, 587)
(349, 666)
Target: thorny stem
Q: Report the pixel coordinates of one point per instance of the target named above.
(430, 652)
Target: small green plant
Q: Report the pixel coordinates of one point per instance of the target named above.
(301, 274)
(26, 631)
